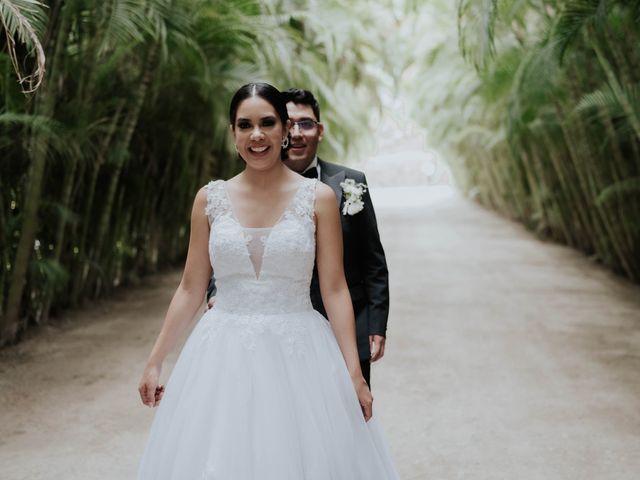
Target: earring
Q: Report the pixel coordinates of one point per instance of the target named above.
(285, 143)
(237, 150)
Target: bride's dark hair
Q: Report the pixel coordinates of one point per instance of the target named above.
(267, 92)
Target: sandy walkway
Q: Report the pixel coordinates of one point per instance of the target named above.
(507, 359)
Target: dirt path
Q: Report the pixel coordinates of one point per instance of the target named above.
(507, 359)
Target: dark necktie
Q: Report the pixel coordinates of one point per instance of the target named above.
(311, 173)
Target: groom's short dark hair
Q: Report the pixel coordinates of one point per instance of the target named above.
(302, 97)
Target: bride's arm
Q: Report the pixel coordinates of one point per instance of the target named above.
(185, 302)
(334, 290)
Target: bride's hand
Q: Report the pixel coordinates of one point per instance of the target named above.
(364, 397)
(150, 391)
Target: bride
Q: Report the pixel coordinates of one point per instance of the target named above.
(265, 387)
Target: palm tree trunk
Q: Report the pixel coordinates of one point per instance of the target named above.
(67, 189)
(129, 128)
(82, 262)
(565, 194)
(45, 105)
(4, 249)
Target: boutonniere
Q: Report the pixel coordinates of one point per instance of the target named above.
(352, 192)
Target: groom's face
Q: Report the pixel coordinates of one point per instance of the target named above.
(305, 136)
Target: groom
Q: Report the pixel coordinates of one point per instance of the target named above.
(365, 266)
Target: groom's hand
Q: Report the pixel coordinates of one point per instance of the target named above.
(211, 302)
(376, 345)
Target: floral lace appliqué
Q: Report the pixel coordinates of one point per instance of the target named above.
(272, 298)
(216, 200)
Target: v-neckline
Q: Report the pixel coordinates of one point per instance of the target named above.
(286, 208)
(248, 236)
(258, 276)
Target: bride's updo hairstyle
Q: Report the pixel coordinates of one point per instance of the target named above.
(268, 93)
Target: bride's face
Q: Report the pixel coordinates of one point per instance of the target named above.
(258, 133)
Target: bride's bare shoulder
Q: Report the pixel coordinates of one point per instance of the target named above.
(325, 201)
(324, 193)
(200, 199)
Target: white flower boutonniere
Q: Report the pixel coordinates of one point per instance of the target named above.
(352, 192)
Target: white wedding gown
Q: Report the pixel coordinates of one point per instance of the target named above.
(260, 389)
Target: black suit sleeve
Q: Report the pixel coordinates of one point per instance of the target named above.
(211, 288)
(374, 266)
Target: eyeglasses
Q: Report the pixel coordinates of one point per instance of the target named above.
(304, 125)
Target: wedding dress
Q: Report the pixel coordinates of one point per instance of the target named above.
(260, 389)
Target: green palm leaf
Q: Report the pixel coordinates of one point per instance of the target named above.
(476, 29)
(52, 273)
(25, 19)
(574, 17)
(59, 136)
(616, 105)
(629, 186)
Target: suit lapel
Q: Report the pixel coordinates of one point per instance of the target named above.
(333, 179)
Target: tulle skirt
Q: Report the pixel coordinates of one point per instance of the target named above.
(263, 397)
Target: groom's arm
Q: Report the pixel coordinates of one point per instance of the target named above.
(375, 267)
(211, 288)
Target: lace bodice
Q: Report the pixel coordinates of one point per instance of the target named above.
(265, 270)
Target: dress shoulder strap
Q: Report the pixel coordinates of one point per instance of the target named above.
(216, 200)
(307, 198)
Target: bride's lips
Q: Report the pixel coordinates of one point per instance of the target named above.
(259, 150)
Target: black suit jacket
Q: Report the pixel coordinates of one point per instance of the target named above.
(365, 266)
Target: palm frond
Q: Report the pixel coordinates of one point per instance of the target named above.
(606, 98)
(37, 123)
(58, 135)
(629, 186)
(52, 273)
(65, 214)
(127, 23)
(487, 137)
(476, 30)
(25, 19)
(574, 17)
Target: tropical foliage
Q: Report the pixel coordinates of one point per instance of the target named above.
(99, 165)
(536, 103)
(542, 117)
